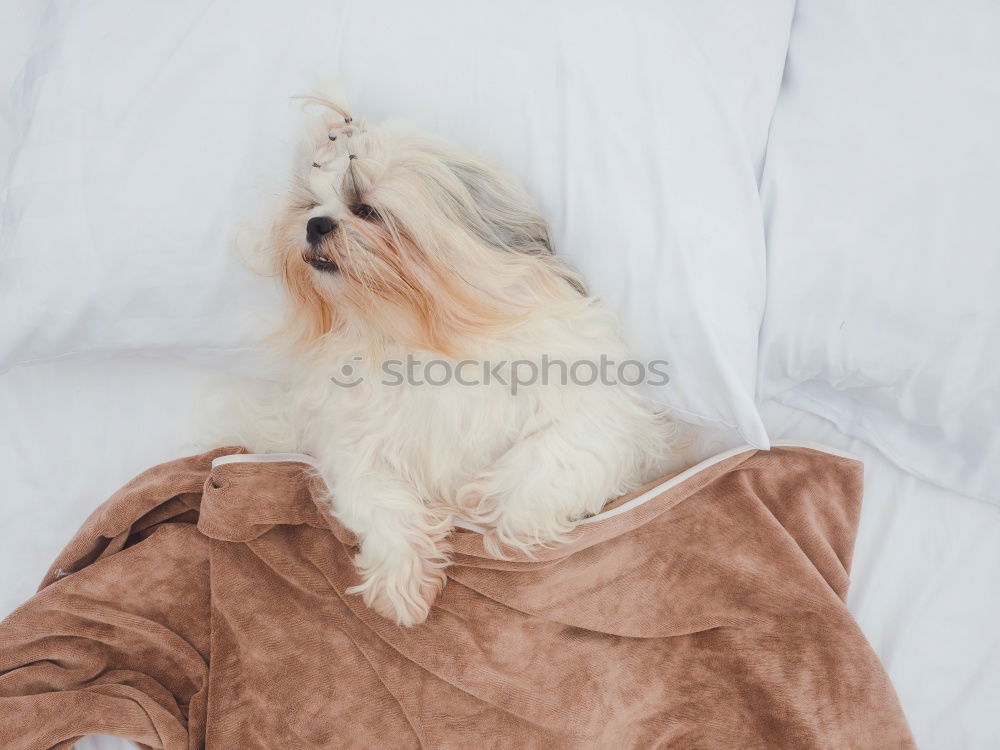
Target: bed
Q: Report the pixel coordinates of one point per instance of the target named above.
(925, 565)
(844, 299)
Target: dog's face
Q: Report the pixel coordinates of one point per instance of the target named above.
(400, 236)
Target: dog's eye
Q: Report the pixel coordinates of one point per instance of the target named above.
(364, 211)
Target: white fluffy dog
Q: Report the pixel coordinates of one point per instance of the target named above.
(395, 247)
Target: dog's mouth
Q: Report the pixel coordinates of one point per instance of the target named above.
(318, 262)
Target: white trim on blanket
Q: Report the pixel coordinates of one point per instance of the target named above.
(708, 463)
(264, 458)
(271, 458)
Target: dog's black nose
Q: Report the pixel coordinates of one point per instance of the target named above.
(318, 227)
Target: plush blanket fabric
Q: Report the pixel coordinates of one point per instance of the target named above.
(204, 606)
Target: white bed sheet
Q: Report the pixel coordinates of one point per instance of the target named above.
(925, 570)
(925, 590)
(19, 22)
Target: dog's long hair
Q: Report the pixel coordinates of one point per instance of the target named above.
(434, 249)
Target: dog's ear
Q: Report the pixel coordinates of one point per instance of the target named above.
(504, 215)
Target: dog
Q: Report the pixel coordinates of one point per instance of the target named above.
(397, 247)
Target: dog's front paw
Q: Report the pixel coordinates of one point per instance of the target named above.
(473, 502)
(515, 518)
(401, 587)
(524, 531)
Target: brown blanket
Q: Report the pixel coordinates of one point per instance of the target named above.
(205, 607)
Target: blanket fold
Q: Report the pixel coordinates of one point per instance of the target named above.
(205, 606)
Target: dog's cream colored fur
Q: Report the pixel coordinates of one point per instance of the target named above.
(438, 255)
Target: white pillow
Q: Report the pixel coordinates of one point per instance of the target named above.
(640, 128)
(882, 188)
